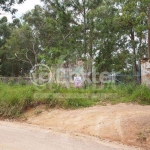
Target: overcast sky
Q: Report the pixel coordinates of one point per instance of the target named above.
(23, 8)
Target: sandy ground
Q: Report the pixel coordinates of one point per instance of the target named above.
(16, 136)
(126, 123)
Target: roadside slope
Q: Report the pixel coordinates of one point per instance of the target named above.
(125, 123)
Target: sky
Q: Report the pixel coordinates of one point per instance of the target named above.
(22, 8)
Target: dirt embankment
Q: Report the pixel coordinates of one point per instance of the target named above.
(126, 123)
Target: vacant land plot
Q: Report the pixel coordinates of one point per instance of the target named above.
(126, 123)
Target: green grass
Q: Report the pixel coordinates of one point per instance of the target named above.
(17, 98)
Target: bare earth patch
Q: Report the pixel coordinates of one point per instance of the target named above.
(125, 123)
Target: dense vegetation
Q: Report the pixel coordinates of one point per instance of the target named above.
(113, 33)
(17, 98)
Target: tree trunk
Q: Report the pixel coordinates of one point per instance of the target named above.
(134, 54)
(91, 47)
(149, 30)
(85, 26)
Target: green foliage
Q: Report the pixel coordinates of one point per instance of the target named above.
(6, 5)
(78, 103)
(111, 33)
(141, 94)
(16, 98)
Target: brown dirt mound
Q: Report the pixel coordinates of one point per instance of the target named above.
(126, 123)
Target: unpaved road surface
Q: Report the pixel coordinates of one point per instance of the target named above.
(17, 136)
(125, 123)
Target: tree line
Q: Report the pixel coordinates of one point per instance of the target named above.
(115, 34)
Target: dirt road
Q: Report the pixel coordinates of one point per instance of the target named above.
(16, 136)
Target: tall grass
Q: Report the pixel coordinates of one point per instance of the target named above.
(17, 98)
(14, 99)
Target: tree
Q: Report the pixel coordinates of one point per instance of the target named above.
(23, 48)
(107, 41)
(76, 27)
(110, 33)
(8, 66)
(133, 21)
(149, 30)
(49, 33)
(4, 35)
(6, 5)
(26, 49)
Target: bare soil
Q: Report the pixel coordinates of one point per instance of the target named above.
(125, 123)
